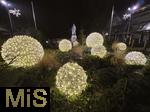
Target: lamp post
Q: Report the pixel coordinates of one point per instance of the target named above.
(33, 14)
(131, 11)
(3, 2)
(111, 22)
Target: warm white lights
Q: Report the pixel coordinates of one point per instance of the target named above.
(71, 79)
(94, 40)
(65, 45)
(22, 51)
(99, 51)
(135, 58)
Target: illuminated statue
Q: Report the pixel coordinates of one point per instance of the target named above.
(73, 36)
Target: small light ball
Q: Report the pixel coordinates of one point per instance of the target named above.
(22, 51)
(119, 46)
(75, 43)
(94, 40)
(99, 51)
(135, 58)
(71, 79)
(65, 45)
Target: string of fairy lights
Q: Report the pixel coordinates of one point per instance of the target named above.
(71, 79)
(22, 51)
(65, 45)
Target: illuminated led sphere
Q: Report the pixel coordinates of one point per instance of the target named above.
(135, 58)
(22, 51)
(99, 51)
(71, 79)
(94, 40)
(75, 43)
(65, 45)
(121, 46)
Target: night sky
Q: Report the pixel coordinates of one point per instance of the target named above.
(55, 17)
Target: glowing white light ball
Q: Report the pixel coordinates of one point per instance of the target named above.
(99, 51)
(75, 43)
(135, 58)
(71, 79)
(121, 46)
(22, 51)
(94, 40)
(65, 45)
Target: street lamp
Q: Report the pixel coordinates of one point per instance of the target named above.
(129, 9)
(134, 8)
(111, 22)
(130, 12)
(3, 2)
(33, 14)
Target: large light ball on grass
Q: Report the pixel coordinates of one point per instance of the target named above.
(71, 79)
(65, 45)
(94, 40)
(99, 51)
(135, 58)
(22, 51)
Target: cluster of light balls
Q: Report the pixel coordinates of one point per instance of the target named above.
(94, 40)
(135, 58)
(22, 51)
(99, 51)
(65, 45)
(71, 79)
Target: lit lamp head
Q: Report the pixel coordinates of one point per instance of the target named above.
(4, 2)
(133, 8)
(129, 9)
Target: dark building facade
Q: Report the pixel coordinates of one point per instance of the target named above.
(141, 19)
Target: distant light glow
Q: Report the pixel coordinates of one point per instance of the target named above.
(3, 2)
(106, 34)
(8, 4)
(135, 7)
(148, 27)
(129, 9)
(126, 16)
(15, 12)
